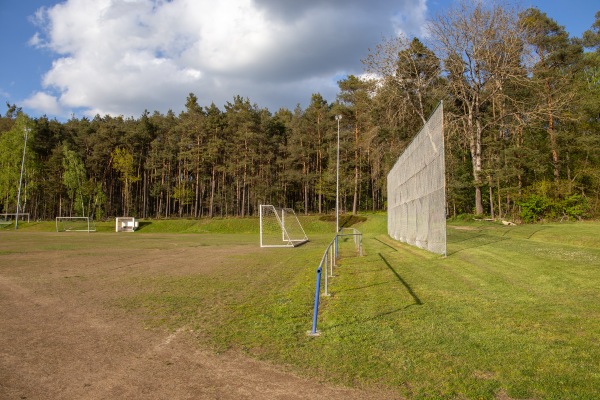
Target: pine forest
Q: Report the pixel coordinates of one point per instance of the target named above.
(522, 132)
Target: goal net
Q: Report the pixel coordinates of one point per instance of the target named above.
(280, 227)
(126, 224)
(75, 224)
(416, 188)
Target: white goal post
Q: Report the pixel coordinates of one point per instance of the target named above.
(75, 224)
(280, 227)
(126, 224)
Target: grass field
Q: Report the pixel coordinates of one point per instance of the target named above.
(512, 312)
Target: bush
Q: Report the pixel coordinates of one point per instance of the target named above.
(537, 207)
(575, 206)
(534, 208)
(463, 218)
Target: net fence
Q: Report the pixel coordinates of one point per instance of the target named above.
(416, 189)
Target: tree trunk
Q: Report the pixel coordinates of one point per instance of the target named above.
(475, 147)
(499, 200)
(491, 197)
(212, 193)
(320, 164)
(552, 134)
(305, 171)
(356, 170)
(198, 200)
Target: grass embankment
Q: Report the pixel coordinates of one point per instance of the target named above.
(249, 225)
(512, 311)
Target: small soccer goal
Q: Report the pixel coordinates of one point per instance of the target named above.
(10, 217)
(126, 224)
(75, 224)
(280, 227)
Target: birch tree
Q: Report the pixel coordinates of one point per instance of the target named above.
(481, 48)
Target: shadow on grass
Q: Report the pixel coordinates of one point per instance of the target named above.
(526, 236)
(143, 224)
(380, 315)
(5, 224)
(475, 241)
(406, 285)
(363, 320)
(385, 244)
(344, 220)
(364, 287)
(467, 238)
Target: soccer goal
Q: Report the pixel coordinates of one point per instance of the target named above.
(75, 224)
(126, 224)
(417, 189)
(9, 217)
(280, 227)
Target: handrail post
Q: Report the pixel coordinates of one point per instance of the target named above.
(337, 247)
(360, 253)
(326, 280)
(325, 257)
(330, 249)
(313, 331)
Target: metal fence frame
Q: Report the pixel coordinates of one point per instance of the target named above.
(328, 261)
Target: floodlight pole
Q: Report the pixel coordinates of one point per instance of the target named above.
(21, 180)
(337, 179)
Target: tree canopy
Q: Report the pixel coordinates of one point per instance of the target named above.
(522, 135)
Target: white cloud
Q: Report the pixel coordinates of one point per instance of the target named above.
(124, 56)
(410, 20)
(44, 103)
(35, 40)
(4, 93)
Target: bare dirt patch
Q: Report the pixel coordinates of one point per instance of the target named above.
(61, 337)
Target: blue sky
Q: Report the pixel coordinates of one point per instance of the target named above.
(82, 57)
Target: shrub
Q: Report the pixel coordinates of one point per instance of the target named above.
(534, 208)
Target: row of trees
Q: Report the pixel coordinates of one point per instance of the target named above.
(522, 102)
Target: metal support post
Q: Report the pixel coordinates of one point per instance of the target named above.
(313, 331)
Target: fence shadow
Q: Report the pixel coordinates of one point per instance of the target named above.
(406, 285)
(363, 320)
(473, 242)
(364, 287)
(385, 244)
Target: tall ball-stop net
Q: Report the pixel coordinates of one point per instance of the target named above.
(416, 189)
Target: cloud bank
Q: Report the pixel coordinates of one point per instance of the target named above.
(120, 57)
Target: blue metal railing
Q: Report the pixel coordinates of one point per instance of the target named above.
(329, 259)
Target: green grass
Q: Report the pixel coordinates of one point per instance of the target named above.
(512, 311)
(249, 225)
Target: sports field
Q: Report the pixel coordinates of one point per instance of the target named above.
(188, 309)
